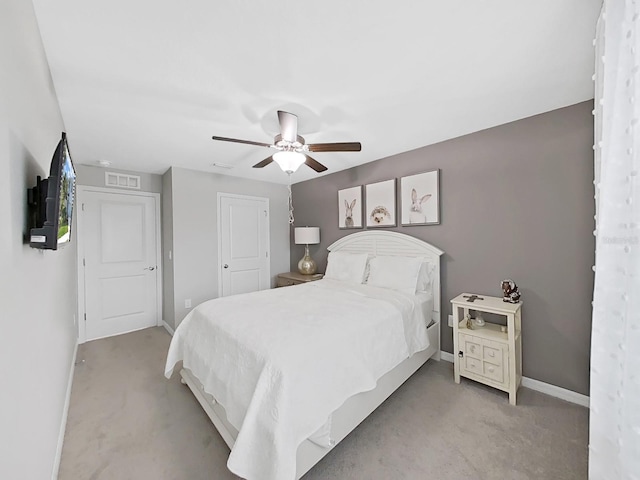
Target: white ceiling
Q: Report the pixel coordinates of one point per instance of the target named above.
(145, 84)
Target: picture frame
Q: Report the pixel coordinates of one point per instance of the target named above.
(380, 204)
(420, 199)
(350, 208)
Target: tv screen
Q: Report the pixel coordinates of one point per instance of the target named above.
(66, 196)
(51, 202)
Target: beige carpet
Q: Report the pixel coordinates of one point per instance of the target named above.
(126, 421)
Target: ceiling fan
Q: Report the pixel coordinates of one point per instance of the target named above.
(292, 149)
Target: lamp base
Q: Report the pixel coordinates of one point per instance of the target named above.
(307, 265)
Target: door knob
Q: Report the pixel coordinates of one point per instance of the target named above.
(151, 269)
(225, 266)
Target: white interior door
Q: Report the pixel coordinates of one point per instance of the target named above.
(243, 237)
(120, 248)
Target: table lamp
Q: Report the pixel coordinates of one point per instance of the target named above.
(307, 236)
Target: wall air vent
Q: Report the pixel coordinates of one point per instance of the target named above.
(121, 180)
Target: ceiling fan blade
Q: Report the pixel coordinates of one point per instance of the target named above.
(317, 166)
(264, 162)
(288, 126)
(248, 142)
(335, 147)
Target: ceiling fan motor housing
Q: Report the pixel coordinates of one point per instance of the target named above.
(286, 145)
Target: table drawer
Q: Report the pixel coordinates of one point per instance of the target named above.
(285, 282)
(472, 365)
(494, 372)
(492, 352)
(471, 346)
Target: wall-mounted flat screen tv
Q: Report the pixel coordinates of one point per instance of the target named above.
(51, 202)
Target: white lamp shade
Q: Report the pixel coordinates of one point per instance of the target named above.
(289, 161)
(307, 235)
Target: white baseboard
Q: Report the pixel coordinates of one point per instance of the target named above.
(537, 385)
(168, 328)
(555, 391)
(446, 356)
(65, 414)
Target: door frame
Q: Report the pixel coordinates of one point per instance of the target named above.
(219, 229)
(81, 192)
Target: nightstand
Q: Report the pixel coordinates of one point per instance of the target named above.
(488, 354)
(295, 278)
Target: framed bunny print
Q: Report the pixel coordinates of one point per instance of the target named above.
(420, 199)
(350, 208)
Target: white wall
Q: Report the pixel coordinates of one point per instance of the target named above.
(37, 289)
(194, 236)
(94, 177)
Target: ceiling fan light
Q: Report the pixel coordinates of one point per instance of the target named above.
(289, 161)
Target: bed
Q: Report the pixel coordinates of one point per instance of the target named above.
(286, 374)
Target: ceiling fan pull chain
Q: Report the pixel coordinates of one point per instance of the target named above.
(290, 201)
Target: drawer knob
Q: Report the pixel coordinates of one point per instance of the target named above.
(491, 369)
(491, 354)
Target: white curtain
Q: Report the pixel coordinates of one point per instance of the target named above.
(614, 444)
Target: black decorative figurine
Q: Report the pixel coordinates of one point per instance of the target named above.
(510, 291)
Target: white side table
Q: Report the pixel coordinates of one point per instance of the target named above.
(488, 354)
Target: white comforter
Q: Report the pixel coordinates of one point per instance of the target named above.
(281, 361)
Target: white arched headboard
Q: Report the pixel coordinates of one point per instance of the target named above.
(394, 243)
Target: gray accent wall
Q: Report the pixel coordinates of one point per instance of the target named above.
(191, 233)
(38, 288)
(168, 304)
(516, 202)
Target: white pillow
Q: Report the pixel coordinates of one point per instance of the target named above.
(425, 277)
(346, 267)
(396, 273)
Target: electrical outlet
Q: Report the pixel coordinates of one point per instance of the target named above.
(450, 321)
(187, 303)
